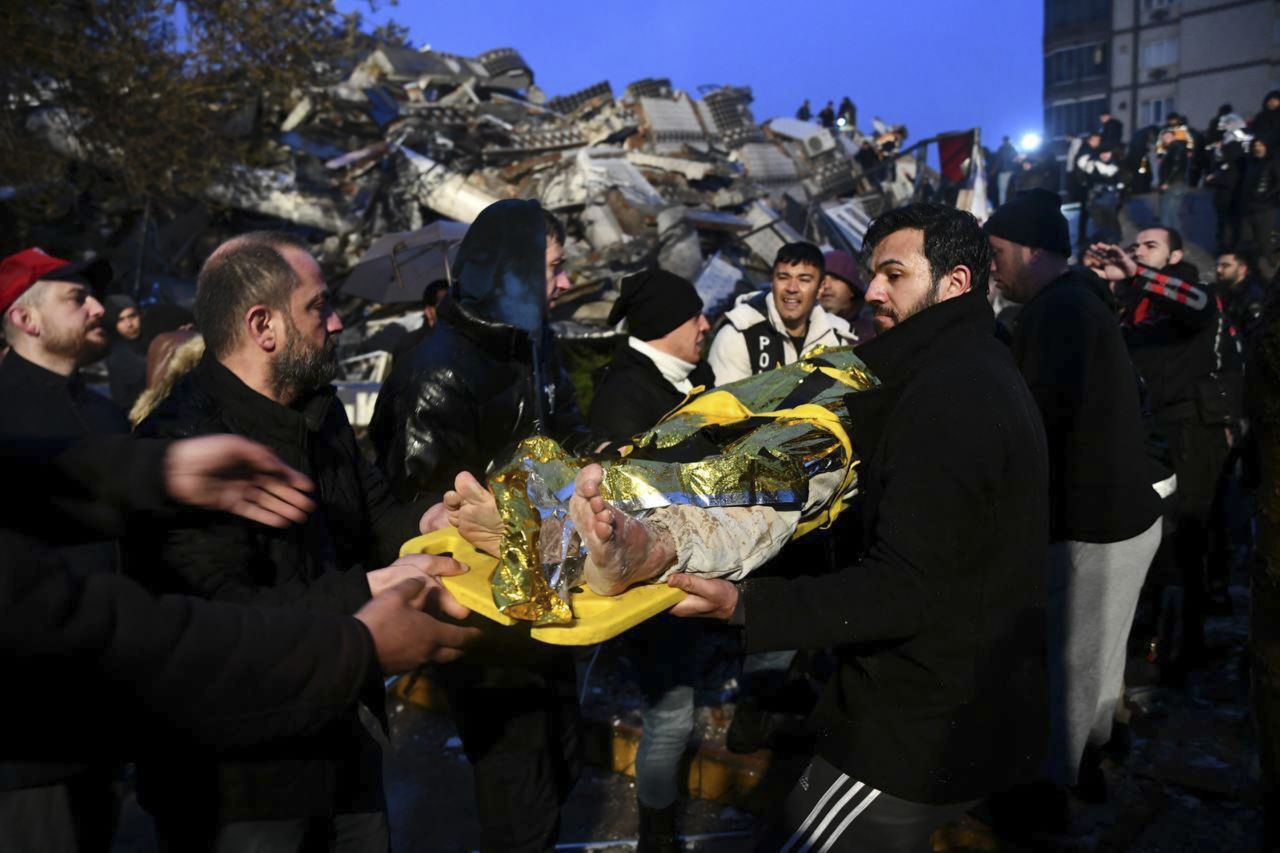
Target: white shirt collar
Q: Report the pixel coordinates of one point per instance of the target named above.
(674, 370)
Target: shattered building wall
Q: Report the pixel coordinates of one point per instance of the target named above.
(689, 182)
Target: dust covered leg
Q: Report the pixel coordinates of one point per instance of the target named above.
(621, 551)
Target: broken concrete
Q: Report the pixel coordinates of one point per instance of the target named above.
(398, 138)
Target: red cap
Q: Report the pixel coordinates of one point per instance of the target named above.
(18, 272)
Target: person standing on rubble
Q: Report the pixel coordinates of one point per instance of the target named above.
(805, 113)
(453, 408)
(848, 115)
(652, 372)
(827, 116)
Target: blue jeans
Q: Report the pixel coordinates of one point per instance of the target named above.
(766, 670)
(668, 722)
(1171, 206)
(674, 655)
(1002, 187)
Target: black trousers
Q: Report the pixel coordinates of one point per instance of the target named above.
(1200, 452)
(1227, 229)
(1256, 228)
(519, 730)
(829, 810)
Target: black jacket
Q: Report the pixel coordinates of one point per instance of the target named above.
(1174, 164)
(1259, 184)
(462, 400)
(1266, 124)
(41, 404)
(126, 372)
(939, 628)
(1224, 178)
(488, 375)
(1069, 348)
(1245, 304)
(318, 565)
(630, 390)
(1181, 343)
(1112, 132)
(171, 672)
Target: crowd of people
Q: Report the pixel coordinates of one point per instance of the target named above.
(844, 117)
(221, 569)
(1233, 157)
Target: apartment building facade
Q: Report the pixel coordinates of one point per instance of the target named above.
(1147, 58)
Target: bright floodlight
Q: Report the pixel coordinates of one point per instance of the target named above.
(1030, 141)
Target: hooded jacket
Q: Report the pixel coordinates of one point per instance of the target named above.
(488, 376)
(1266, 124)
(127, 360)
(753, 338)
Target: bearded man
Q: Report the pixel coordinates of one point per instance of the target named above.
(52, 320)
(270, 335)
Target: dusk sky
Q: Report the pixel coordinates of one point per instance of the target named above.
(934, 65)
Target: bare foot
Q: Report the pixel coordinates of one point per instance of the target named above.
(473, 510)
(621, 551)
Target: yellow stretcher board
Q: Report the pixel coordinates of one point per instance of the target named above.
(596, 617)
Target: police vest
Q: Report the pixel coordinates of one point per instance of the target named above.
(764, 342)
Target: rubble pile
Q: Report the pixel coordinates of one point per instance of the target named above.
(656, 176)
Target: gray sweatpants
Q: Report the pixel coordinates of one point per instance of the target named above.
(1093, 592)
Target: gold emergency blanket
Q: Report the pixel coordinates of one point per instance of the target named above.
(755, 442)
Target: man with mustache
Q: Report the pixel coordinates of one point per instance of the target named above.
(270, 335)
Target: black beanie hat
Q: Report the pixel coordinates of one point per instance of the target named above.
(1034, 219)
(655, 302)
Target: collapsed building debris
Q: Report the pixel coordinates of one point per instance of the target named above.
(657, 175)
(691, 182)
